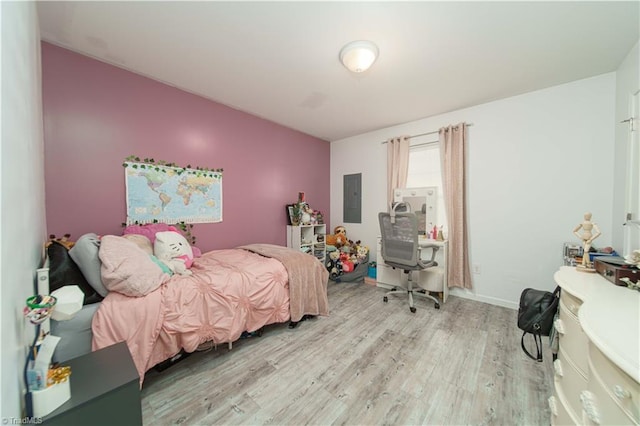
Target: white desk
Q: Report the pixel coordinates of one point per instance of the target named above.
(430, 279)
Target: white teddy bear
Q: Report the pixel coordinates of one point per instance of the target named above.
(173, 250)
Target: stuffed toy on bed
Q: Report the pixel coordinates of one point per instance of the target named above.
(172, 249)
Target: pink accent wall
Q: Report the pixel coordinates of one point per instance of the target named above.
(95, 115)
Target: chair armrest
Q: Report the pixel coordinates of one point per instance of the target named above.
(431, 262)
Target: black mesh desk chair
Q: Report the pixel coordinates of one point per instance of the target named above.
(401, 250)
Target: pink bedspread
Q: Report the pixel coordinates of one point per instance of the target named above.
(230, 291)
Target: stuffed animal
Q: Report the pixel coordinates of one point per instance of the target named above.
(172, 249)
(347, 264)
(361, 252)
(65, 241)
(338, 238)
(333, 265)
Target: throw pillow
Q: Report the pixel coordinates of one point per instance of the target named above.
(127, 269)
(85, 254)
(64, 271)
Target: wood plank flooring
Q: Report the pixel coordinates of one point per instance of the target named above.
(368, 363)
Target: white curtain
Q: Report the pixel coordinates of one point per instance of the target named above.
(397, 165)
(453, 140)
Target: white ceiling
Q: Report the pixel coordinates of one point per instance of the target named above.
(279, 60)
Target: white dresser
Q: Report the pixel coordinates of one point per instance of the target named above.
(597, 372)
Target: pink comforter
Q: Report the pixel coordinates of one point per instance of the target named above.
(230, 291)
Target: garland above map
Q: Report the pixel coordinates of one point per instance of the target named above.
(166, 193)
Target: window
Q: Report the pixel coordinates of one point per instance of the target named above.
(424, 170)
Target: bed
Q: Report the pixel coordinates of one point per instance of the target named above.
(229, 292)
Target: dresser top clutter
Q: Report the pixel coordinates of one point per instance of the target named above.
(609, 316)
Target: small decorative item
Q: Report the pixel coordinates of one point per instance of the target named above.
(305, 214)
(631, 285)
(587, 231)
(47, 388)
(633, 258)
(39, 308)
(294, 214)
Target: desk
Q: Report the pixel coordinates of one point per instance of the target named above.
(430, 279)
(105, 390)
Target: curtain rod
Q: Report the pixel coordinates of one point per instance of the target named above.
(425, 134)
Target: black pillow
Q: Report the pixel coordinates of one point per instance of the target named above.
(64, 271)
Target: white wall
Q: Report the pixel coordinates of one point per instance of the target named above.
(22, 224)
(627, 83)
(536, 163)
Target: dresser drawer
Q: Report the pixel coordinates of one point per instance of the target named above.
(622, 389)
(572, 339)
(560, 414)
(571, 302)
(570, 380)
(599, 408)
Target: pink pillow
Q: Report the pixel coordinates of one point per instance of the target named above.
(149, 230)
(127, 269)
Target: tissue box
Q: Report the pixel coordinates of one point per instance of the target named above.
(69, 303)
(46, 400)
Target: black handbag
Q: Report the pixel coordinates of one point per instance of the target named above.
(535, 316)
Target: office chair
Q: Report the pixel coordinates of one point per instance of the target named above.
(401, 250)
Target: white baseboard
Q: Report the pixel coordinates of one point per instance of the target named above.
(466, 294)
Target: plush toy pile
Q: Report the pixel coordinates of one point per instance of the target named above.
(343, 255)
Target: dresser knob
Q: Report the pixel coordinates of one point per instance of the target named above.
(552, 405)
(620, 392)
(608, 272)
(589, 406)
(557, 366)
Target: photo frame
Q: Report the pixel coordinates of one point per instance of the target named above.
(290, 214)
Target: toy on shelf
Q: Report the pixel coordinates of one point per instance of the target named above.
(587, 231)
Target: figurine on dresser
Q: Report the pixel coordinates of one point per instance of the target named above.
(587, 231)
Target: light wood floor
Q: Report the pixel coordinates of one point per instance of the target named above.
(368, 363)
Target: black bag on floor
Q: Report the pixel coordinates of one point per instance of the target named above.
(535, 316)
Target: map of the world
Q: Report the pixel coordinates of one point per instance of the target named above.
(157, 193)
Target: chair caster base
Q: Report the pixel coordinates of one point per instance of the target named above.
(412, 309)
(385, 299)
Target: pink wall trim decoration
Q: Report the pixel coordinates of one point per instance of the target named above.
(96, 115)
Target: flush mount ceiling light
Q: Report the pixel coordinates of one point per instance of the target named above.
(358, 56)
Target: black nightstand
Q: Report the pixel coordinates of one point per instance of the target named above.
(105, 390)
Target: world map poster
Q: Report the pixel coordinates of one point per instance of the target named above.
(165, 194)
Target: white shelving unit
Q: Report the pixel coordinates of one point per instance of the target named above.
(308, 239)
